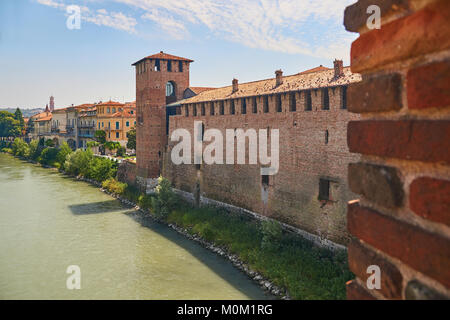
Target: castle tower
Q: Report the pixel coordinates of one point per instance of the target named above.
(52, 103)
(160, 79)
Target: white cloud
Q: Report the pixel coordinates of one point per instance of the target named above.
(277, 25)
(101, 17)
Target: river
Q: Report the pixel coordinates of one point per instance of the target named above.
(49, 221)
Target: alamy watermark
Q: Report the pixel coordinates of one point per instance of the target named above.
(234, 139)
(74, 280)
(374, 280)
(74, 17)
(374, 20)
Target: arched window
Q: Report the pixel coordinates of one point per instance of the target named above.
(170, 89)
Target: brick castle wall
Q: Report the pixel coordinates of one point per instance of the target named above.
(402, 221)
(305, 157)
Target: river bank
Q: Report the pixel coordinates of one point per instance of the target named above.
(293, 268)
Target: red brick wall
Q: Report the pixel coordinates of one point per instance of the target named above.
(401, 222)
(150, 102)
(304, 158)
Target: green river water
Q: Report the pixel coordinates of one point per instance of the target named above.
(49, 221)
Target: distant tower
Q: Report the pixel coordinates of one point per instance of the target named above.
(160, 79)
(52, 103)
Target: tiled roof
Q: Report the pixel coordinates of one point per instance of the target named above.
(319, 68)
(43, 116)
(322, 77)
(110, 103)
(198, 90)
(164, 56)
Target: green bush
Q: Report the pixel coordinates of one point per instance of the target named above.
(271, 235)
(64, 151)
(35, 150)
(145, 201)
(164, 200)
(101, 169)
(48, 156)
(7, 150)
(114, 186)
(79, 163)
(20, 148)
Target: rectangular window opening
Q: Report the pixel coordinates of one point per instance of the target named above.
(292, 104)
(266, 104)
(308, 101)
(324, 189)
(279, 106)
(325, 99)
(243, 106)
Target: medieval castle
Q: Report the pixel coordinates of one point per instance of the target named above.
(310, 190)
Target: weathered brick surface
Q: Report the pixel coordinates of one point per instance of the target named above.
(424, 31)
(355, 16)
(151, 115)
(363, 257)
(356, 292)
(430, 199)
(428, 86)
(421, 140)
(424, 251)
(305, 157)
(415, 290)
(380, 184)
(380, 93)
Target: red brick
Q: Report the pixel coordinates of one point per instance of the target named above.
(380, 184)
(365, 96)
(425, 31)
(429, 86)
(426, 252)
(355, 16)
(430, 199)
(356, 292)
(423, 140)
(360, 258)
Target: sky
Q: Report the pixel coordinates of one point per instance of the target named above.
(244, 39)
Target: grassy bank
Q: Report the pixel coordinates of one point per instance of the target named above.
(287, 260)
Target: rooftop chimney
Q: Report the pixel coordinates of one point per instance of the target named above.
(338, 68)
(279, 77)
(235, 85)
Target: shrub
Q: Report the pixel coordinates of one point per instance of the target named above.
(20, 148)
(48, 156)
(114, 186)
(164, 200)
(101, 169)
(145, 201)
(35, 149)
(271, 235)
(7, 150)
(63, 152)
(120, 151)
(79, 163)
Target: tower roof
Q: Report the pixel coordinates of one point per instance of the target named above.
(164, 56)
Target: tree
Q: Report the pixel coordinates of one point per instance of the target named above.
(165, 198)
(63, 152)
(131, 136)
(19, 117)
(9, 126)
(100, 136)
(50, 143)
(20, 148)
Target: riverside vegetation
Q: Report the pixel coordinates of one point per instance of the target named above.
(287, 260)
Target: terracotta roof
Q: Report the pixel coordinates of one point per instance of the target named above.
(324, 77)
(43, 116)
(319, 68)
(198, 90)
(110, 103)
(164, 56)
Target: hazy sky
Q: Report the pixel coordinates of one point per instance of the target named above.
(249, 40)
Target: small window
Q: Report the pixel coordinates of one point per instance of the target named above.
(212, 108)
(292, 102)
(117, 135)
(180, 66)
(157, 65)
(266, 104)
(232, 110)
(279, 106)
(325, 99)
(170, 89)
(108, 110)
(103, 124)
(324, 189)
(344, 97)
(113, 110)
(254, 105)
(243, 106)
(186, 109)
(203, 109)
(222, 108)
(194, 110)
(117, 125)
(128, 123)
(327, 135)
(135, 123)
(265, 180)
(169, 66)
(308, 101)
